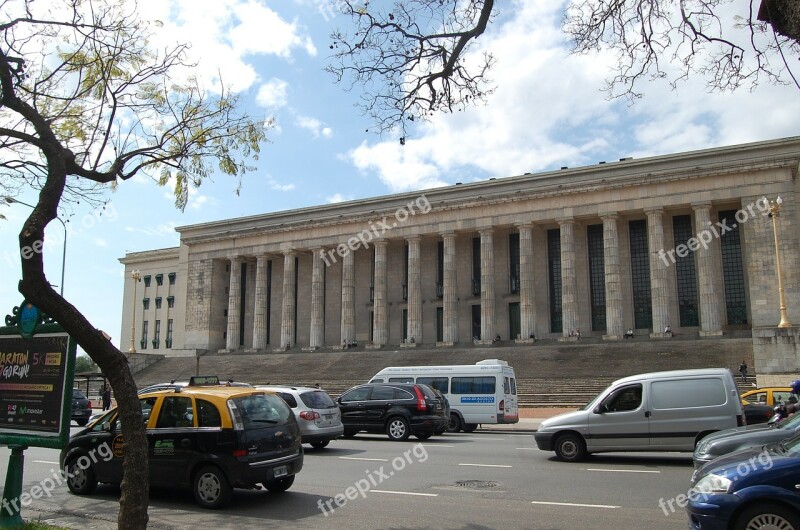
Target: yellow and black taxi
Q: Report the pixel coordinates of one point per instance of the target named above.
(209, 437)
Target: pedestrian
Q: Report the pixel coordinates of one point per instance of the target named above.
(743, 371)
(106, 397)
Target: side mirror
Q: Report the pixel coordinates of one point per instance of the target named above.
(600, 409)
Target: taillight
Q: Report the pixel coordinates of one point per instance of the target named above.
(502, 405)
(421, 405)
(239, 452)
(89, 405)
(310, 415)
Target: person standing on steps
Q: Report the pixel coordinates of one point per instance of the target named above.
(743, 371)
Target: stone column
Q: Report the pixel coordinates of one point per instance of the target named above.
(414, 291)
(527, 302)
(710, 321)
(569, 280)
(317, 338)
(613, 282)
(234, 303)
(348, 298)
(380, 321)
(659, 293)
(260, 312)
(289, 302)
(487, 286)
(450, 304)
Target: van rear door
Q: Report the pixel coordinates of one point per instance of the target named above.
(620, 420)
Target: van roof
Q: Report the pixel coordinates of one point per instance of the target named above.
(697, 372)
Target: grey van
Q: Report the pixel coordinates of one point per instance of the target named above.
(659, 411)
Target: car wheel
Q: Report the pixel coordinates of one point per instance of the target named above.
(767, 516)
(80, 479)
(320, 445)
(349, 433)
(211, 488)
(570, 447)
(423, 435)
(454, 423)
(397, 429)
(279, 485)
(82, 422)
(470, 427)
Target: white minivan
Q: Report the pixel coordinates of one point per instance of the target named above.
(484, 392)
(659, 411)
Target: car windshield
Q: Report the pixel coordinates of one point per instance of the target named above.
(259, 410)
(591, 403)
(789, 423)
(317, 400)
(77, 394)
(790, 447)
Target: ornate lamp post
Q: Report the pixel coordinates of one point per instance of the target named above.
(136, 276)
(774, 211)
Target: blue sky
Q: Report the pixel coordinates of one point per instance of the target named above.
(547, 111)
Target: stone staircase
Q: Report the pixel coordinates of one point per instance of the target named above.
(549, 373)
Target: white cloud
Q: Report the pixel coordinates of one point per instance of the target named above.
(277, 186)
(272, 94)
(338, 197)
(314, 125)
(100, 242)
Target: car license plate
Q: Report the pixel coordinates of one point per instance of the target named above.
(280, 471)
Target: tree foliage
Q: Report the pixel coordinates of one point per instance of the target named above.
(410, 61)
(87, 103)
(84, 363)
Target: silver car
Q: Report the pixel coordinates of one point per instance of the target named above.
(317, 414)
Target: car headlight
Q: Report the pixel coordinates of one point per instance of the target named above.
(712, 484)
(702, 448)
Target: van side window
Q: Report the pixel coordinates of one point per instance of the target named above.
(439, 383)
(473, 385)
(685, 393)
(625, 399)
(401, 379)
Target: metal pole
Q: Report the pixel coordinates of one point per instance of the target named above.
(774, 209)
(10, 507)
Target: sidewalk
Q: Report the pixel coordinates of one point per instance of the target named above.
(529, 420)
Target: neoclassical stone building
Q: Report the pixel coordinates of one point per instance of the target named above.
(680, 243)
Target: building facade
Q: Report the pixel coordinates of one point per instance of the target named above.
(676, 244)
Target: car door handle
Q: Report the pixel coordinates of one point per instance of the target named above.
(647, 414)
(797, 486)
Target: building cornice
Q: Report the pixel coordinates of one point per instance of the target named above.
(147, 256)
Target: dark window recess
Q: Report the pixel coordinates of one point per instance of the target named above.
(597, 276)
(554, 275)
(732, 270)
(476, 266)
(640, 275)
(513, 262)
(159, 279)
(685, 273)
(146, 303)
(405, 272)
(171, 277)
(158, 302)
(170, 301)
(440, 270)
(476, 321)
(147, 281)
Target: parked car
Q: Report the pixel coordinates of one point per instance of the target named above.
(757, 413)
(446, 408)
(318, 415)
(728, 441)
(769, 395)
(81, 407)
(397, 409)
(204, 380)
(749, 489)
(208, 438)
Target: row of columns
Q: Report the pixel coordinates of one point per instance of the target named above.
(709, 298)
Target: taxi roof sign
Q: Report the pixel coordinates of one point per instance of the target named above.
(203, 380)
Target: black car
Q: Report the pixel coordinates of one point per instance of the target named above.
(81, 407)
(397, 409)
(757, 413)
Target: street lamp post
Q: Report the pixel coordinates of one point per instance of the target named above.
(11, 200)
(774, 211)
(136, 276)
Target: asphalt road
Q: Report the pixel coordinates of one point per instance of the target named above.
(483, 480)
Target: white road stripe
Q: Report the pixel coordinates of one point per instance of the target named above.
(492, 439)
(406, 493)
(485, 465)
(622, 470)
(43, 462)
(526, 448)
(436, 445)
(575, 504)
(358, 458)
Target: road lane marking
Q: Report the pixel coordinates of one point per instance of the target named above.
(526, 448)
(436, 445)
(43, 462)
(485, 465)
(406, 493)
(360, 458)
(492, 439)
(622, 470)
(575, 504)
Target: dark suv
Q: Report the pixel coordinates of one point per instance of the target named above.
(208, 438)
(397, 409)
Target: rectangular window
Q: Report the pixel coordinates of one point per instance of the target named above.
(158, 302)
(597, 276)
(404, 325)
(513, 262)
(159, 279)
(640, 275)
(685, 272)
(405, 272)
(473, 385)
(476, 266)
(372, 279)
(147, 281)
(680, 394)
(170, 302)
(168, 340)
(439, 383)
(732, 270)
(476, 321)
(157, 334)
(440, 270)
(143, 342)
(439, 324)
(145, 303)
(514, 329)
(554, 275)
(171, 277)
